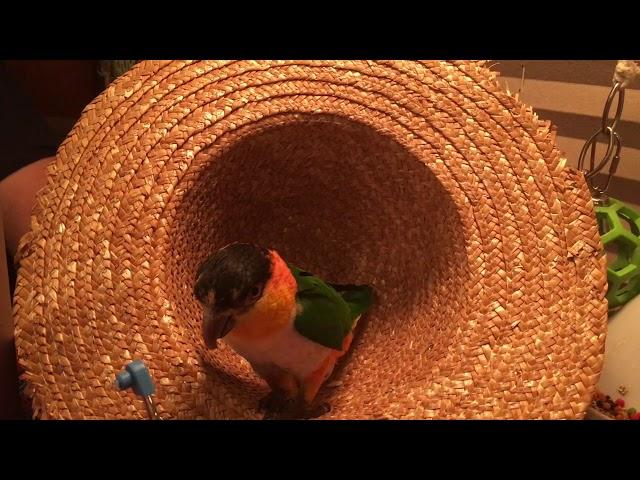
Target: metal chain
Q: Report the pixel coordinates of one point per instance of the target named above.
(609, 134)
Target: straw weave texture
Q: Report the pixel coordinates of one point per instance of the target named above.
(423, 179)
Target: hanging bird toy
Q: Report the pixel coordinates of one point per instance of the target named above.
(618, 223)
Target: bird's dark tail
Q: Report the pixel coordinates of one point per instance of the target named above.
(358, 297)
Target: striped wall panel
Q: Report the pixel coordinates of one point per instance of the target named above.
(571, 94)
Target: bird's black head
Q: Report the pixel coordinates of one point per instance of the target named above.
(230, 282)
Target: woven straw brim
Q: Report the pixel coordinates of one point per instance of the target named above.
(423, 179)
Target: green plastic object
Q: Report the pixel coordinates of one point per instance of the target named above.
(619, 227)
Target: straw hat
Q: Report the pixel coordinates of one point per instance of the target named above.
(423, 179)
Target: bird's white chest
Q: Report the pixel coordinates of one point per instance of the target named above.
(286, 348)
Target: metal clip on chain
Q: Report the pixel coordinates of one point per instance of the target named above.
(614, 146)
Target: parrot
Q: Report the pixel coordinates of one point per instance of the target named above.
(291, 326)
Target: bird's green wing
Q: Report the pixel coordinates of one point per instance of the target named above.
(327, 312)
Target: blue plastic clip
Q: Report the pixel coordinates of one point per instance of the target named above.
(137, 376)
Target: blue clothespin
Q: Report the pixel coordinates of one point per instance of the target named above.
(137, 376)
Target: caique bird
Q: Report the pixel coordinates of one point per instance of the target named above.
(291, 326)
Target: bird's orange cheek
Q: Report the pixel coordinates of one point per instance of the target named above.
(275, 310)
(271, 313)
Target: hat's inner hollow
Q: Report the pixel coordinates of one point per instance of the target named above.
(350, 204)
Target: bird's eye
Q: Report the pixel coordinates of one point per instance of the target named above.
(255, 292)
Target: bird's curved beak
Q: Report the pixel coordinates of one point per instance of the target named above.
(215, 326)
